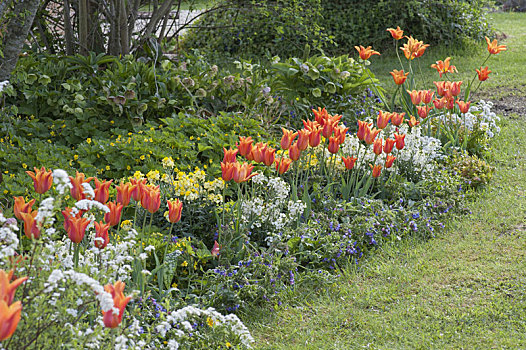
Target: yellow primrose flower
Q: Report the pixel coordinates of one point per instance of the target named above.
(88, 140)
(24, 165)
(184, 264)
(210, 322)
(76, 156)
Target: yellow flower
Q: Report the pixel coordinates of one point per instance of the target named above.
(24, 165)
(76, 156)
(184, 264)
(174, 285)
(128, 167)
(228, 345)
(112, 144)
(107, 167)
(210, 322)
(142, 157)
(88, 140)
(6, 191)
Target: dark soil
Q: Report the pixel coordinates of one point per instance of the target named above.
(512, 102)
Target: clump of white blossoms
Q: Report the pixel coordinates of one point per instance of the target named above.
(8, 237)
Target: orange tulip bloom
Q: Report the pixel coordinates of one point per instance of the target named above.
(31, 228)
(257, 152)
(412, 122)
(229, 155)
(110, 319)
(443, 67)
(413, 48)
(245, 145)
(269, 155)
(138, 189)
(42, 179)
(416, 96)
(8, 288)
(124, 193)
(389, 161)
(242, 172)
(9, 318)
(101, 235)
(340, 133)
(370, 135)
(320, 114)
(215, 249)
(366, 52)
(400, 141)
(463, 106)
(441, 87)
(397, 119)
(450, 103)
(102, 190)
(77, 191)
(310, 125)
(427, 96)
(455, 88)
(377, 170)
(114, 216)
(334, 144)
(377, 146)
(22, 207)
(399, 77)
(483, 73)
(397, 33)
(349, 162)
(151, 199)
(315, 137)
(439, 104)
(287, 138)
(423, 111)
(494, 48)
(328, 129)
(294, 152)
(227, 171)
(303, 139)
(77, 228)
(388, 146)
(361, 129)
(282, 165)
(175, 208)
(383, 119)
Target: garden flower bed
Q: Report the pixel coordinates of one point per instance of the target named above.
(168, 255)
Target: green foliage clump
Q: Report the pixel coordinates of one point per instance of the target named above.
(474, 171)
(258, 28)
(450, 22)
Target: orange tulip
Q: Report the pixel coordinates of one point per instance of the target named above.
(389, 161)
(416, 96)
(441, 87)
(399, 77)
(303, 139)
(77, 228)
(242, 172)
(245, 145)
(455, 88)
(151, 199)
(494, 48)
(400, 141)
(42, 179)
(124, 193)
(443, 67)
(315, 137)
(370, 135)
(22, 207)
(101, 235)
(229, 155)
(397, 119)
(349, 162)
(423, 111)
(9, 318)
(413, 48)
(287, 138)
(366, 52)
(138, 189)
(227, 171)
(310, 125)
(439, 104)
(340, 133)
(383, 119)
(412, 122)
(427, 96)
(31, 228)
(77, 191)
(257, 152)
(114, 216)
(8, 288)
(175, 208)
(320, 115)
(463, 106)
(377, 146)
(110, 319)
(388, 146)
(328, 129)
(397, 33)
(377, 170)
(334, 144)
(102, 190)
(483, 73)
(282, 165)
(361, 130)
(215, 249)
(294, 152)
(269, 156)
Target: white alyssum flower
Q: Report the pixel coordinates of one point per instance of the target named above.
(61, 179)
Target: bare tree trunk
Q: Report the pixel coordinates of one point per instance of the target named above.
(83, 26)
(123, 28)
(68, 30)
(157, 15)
(3, 7)
(16, 33)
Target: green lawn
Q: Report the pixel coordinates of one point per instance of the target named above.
(463, 290)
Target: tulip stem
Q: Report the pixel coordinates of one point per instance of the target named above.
(76, 254)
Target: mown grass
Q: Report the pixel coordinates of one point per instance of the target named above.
(463, 290)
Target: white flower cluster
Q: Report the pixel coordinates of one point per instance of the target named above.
(3, 84)
(8, 237)
(61, 179)
(274, 211)
(478, 118)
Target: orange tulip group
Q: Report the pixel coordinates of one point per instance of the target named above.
(10, 312)
(110, 318)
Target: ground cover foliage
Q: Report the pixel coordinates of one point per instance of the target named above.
(157, 203)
